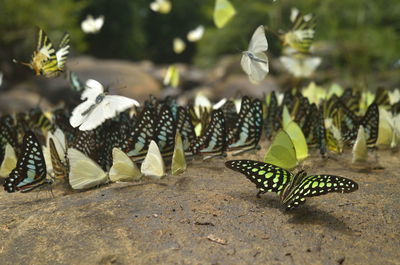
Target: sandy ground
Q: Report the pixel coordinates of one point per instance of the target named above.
(208, 215)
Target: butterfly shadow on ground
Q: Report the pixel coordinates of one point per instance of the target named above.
(310, 215)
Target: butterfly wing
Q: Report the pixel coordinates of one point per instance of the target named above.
(267, 177)
(315, 185)
(30, 171)
(178, 164)
(282, 152)
(84, 172)
(9, 161)
(63, 51)
(123, 168)
(256, 69)
(258, 42)
(153, 164)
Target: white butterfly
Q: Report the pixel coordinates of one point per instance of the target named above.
(92, 25)
(360, 148)
(123, 168)
(300, 66)
(84, 172)
(195, 34)
(153, 164)
(98, 107)
(161, 6)
(179, 45)
(254, 61)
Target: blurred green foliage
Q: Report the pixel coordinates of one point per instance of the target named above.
(361, 36)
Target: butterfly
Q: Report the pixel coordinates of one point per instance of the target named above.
(161, 6)
(98, 107)
(75, 83)
(248, 127)
(164, 134)
(282, 151)
(45, 60)
(272, 111)
(8, 159)
(360, 148)
(30, 172)
(370, 122)
(92, 25)
(178, 164)
(293, 189)
(185, 127)
(84, 173)
(254, 61)
(178, 45)
(172, 77)
(57, 145)
(300, 66)
(213, 141)
(153, 163)
(138, 140)
(195, 34)
(223, 12)
(123, 168)
(301, 36)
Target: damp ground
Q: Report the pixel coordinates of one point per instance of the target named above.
(209, 215)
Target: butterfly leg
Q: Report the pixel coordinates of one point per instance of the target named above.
(259, 193)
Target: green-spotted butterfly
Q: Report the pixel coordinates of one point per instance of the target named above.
(30, 171)
(293, 189)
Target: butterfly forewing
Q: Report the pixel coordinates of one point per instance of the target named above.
(185, 127)
(30, 171)
(267, 177)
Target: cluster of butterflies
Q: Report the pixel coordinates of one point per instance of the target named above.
(38, 148)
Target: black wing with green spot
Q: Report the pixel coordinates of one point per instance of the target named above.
(316, 185)
(164, 134)
(267, 177)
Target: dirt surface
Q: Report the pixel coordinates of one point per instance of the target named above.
(208, 215)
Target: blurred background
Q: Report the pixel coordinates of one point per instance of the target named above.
(357, 40)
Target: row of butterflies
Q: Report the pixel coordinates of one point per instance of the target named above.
(160, 130)
(82, 172)
(163, 129)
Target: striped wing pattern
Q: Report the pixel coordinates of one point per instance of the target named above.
(30, 171)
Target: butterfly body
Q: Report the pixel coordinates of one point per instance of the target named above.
(293, 189)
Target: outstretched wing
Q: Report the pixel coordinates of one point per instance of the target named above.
(267, 177)
(315, 185)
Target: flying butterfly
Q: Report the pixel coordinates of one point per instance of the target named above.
(98, 107)
(45, 60)
(293, 189)
(301, 36)
(300, 66)
(224, 11)
(92, 25)
(254, 61)
(30, 172)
